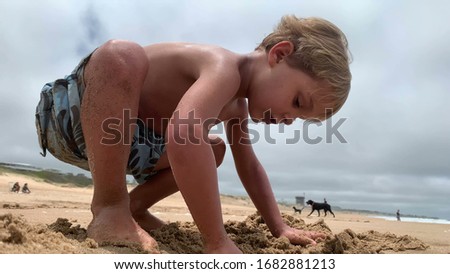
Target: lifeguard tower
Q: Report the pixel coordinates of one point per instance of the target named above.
(300, 200)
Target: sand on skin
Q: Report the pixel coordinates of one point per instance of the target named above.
(53, 218)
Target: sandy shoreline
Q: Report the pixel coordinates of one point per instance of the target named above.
(30, 215)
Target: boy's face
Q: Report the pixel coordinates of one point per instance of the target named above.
(282, 93)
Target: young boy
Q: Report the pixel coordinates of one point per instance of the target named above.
(148, 110)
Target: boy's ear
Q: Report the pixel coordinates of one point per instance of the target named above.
(279, 52)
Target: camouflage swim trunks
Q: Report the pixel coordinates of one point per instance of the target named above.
(59, 128)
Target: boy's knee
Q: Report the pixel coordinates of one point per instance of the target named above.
(122, 59)
(219, 148)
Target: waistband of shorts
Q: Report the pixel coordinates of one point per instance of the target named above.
(78, 72)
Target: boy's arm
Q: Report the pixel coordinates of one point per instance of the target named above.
(191, 157)
(257, 185)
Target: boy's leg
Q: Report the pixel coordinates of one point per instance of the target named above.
(144, 196)
(162, 185)
(114, 78)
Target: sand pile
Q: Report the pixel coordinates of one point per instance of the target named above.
(371, 242)
(251, 236)
(17, 236)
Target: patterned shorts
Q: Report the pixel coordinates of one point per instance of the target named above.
(59, 128)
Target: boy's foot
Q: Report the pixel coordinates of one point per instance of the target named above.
(148, 221)
(110, 226)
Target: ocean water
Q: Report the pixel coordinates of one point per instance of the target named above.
(413, 219)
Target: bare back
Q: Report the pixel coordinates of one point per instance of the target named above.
(173, 69)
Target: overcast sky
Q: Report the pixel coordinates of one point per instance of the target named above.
(396, 122)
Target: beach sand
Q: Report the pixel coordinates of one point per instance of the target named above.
(53, 219)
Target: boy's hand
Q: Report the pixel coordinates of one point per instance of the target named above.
(302, 237)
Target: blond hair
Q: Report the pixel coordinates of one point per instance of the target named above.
(320, 49)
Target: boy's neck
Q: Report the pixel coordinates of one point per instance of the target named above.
(248, 67)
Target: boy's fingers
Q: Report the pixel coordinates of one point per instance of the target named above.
(302, 240)
(317, 235)
(310, 238)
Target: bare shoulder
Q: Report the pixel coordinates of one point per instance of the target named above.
(195, 60)
(217, 62)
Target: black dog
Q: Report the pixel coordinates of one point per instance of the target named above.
(297, 210)
(319, 206)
